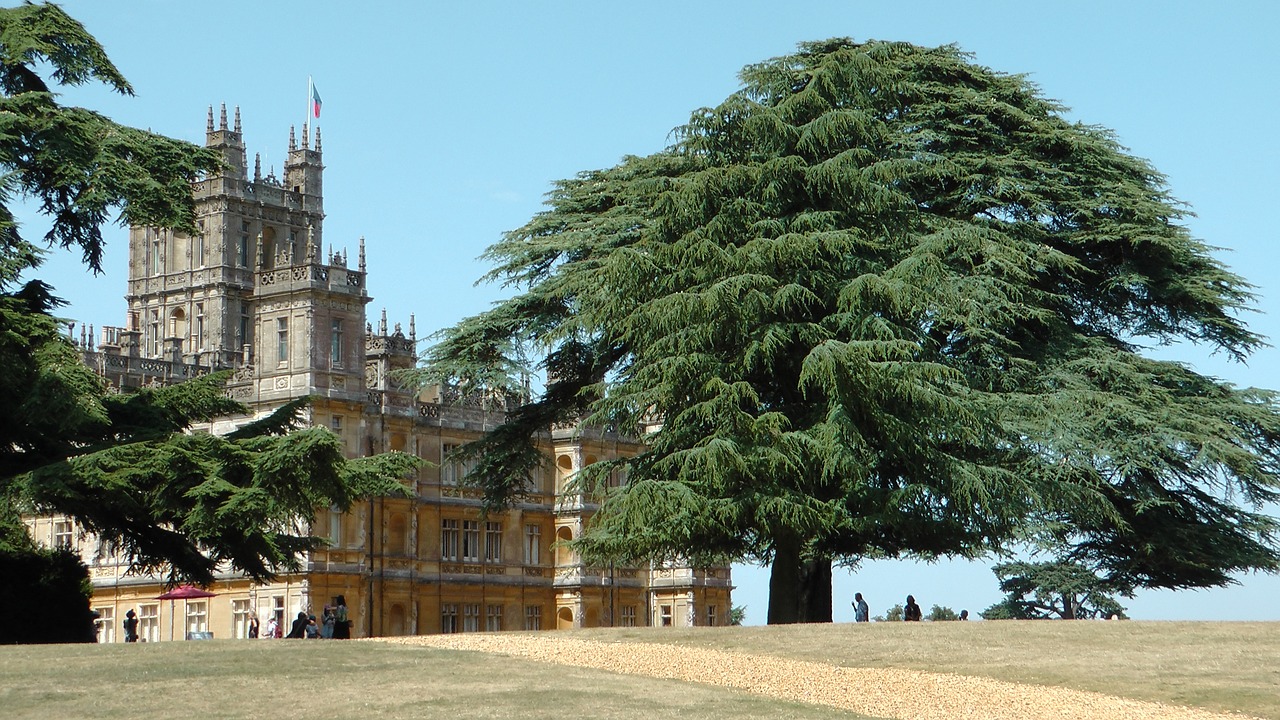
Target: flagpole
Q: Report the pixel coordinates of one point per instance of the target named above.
(307, 122)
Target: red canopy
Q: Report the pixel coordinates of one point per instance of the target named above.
(185, 592)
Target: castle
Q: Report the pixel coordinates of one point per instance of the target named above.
(254, 292)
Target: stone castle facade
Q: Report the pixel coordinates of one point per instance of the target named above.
(253, 291)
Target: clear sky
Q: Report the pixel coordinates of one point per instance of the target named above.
(444, 124)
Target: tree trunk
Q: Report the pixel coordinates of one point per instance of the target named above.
(815, 590)
(784, 581)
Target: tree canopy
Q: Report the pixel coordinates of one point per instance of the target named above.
(1054, 589)
(885, 302)
(123, 466)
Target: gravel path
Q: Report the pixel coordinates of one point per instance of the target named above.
(885, 693)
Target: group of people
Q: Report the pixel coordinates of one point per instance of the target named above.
(334, 624)
(910, 611)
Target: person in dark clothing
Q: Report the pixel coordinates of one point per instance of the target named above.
(253, 627)
(911, 611)
(299, 628)
(130, 627)
(341, 622)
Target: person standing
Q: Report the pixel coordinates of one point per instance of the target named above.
(253, 627)
(273, 627)
(341, 621)
(326, 623)
(861, 612)
(298, 630)
(911, 611)
(130, 627)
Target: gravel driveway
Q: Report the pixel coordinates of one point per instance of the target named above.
(879, 692)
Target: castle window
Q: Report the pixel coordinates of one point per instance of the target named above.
(335, 343)
(493, 542)
(470, 540)
(242, 252)
(449, 539)
(240, 618)
(199, 329)
(156, 264)
(149, 623)
(242, 333)
(197, 617)
(282, 340)
(532, 544)
(153, 334)
(470, 618)
(711, 615)
(493, 618)
(449, 618)
(335, 424)
(62, 533)
(533, 617)
(628, 616)
(198, 250)
(105, 624)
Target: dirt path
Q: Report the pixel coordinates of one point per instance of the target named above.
(885, 693)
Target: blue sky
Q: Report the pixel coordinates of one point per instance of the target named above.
(444, 125)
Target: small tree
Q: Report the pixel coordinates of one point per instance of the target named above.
(893, 614)
(1059, 589)
(737, 614)
(941, 612)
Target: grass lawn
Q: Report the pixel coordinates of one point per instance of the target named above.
(1218, 666)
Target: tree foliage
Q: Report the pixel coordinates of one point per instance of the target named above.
(886, 302)
(1055, 589)
(124, 466)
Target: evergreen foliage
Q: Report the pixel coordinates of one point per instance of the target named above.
(941, 613)
(1056, 589)
(886, 302)
(124, 466)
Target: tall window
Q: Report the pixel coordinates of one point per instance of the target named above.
(664, 616)
(197, 616)
(282, 340)
(471, 618)
(149, 623)
(154, 338)
(628, 616)
(199, 329)
(242, 251)
(533, 617)
(711, 615)
(197, 252)
(493, 542)
(62, 533)
(493, 618)
(156, 265)
(277, 610)
(240, 618)
(532, 544)
(449, 618)
(335, 343)
(449, 539)
(105, 624)
(471, 540)
(242, 333)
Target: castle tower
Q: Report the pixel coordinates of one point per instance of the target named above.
(252, 287)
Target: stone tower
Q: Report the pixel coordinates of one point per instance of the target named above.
(253, 288)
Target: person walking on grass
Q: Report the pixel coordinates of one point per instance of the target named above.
(861, 612)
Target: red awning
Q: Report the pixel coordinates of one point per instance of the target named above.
(185, 592)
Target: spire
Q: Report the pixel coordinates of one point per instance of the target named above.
(382, 326)
(361, 253)
(258, 262)
(317, 138)
(305, 130)
(293, 143)
(222, 118)
(209, 126)
(237, 126)
(257, 167)
(311, 244)
(413, 332)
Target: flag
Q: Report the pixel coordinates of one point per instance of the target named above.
(315, 100)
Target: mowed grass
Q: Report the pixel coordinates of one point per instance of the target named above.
(1231, 667)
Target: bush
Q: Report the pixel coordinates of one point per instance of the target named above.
(940, 613)
(47, 594)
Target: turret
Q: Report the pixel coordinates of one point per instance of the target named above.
(303, 170)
